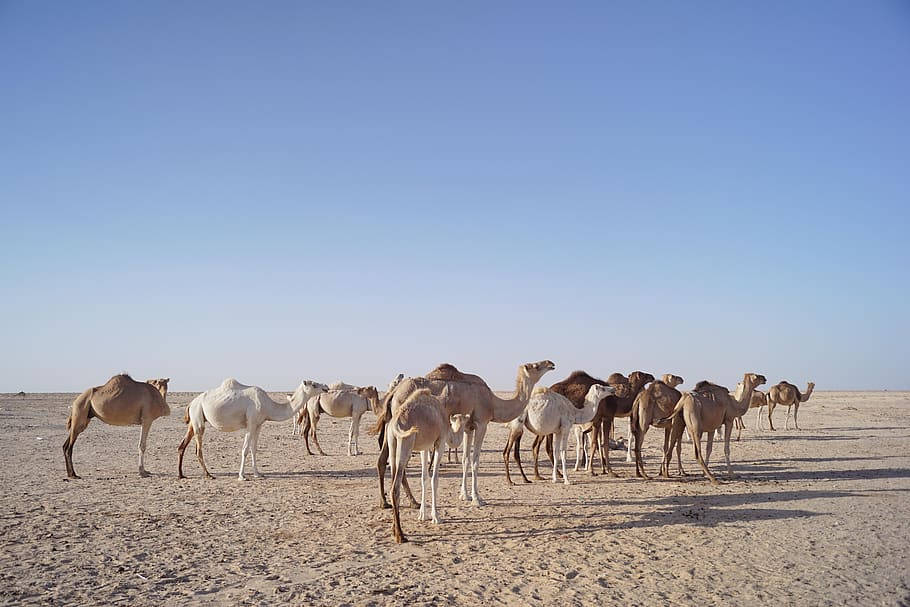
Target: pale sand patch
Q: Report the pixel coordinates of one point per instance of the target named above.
(814, 517)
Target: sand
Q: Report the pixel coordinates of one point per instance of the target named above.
(818, 517)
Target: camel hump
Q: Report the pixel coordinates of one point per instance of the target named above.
(706, 386)
(232, 384)
(792, 387)
(580, 376)
(617, 378)
(415, 396)
(448, 372)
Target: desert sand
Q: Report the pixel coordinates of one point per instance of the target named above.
(813, 517)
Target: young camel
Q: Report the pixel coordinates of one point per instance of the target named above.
(122, 401)
(306, 390)
(653, 403)
(786, 393)
(338, 403)
(707, 407)
(421, 424)
(551, 413)
(464, 394)
(229, 407)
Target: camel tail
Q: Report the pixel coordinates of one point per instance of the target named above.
(676, 411)
(401, 433)
(383, 415)
(186, 415)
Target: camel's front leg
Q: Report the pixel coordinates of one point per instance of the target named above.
(465, 462)
(795, 413)
(479, 433)
(143, 440)
(355, 432)
(563, 448)
(728, 431)
(578, 436)
(246, 446)
(434, 483)
(709, 446)
(758, 418)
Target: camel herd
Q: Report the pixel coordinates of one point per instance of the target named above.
(447, 408)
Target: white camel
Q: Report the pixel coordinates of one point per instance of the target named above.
(307, 389)
(549, 412)
(338, 403)
(229, 407)
(420, 424)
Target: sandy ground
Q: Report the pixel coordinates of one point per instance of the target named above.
(820, 516)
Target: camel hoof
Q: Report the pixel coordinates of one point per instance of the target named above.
(74, 476)
(242, 478)
(478, 502)
(210, 476)
(401, 540)
(144, 474)
(421, 516)
(527, 482)
(384, 505)
(566, 482)
(463, 496)
(436, 520)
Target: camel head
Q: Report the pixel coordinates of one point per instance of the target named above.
(372, 395)
(534, 371)
(160, 384)
(598, 392)
(672, 380)
(638, 379)
(757, 379)
(394, 383)
(304, 391)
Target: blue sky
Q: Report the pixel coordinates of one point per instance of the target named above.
(294, 190)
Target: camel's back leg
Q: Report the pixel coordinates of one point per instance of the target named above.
(80, 414)
(382, 463)
(795, 413)
(182, 448)
(200, 430)
(517, 454)
(535, 453)
(314, 420)
(696, 441)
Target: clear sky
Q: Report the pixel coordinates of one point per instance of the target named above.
(341, 190)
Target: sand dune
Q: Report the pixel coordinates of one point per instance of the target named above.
(820, 516)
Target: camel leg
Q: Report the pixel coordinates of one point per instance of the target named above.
(578, 448)
(517, 454)
(554, 454)
(254, 446)
(505, 457)
(313, 421)
(629, 446)
(434, 483)
(795, 413)
(563, 438)
(182, 448)
(535, 453)
(143, 441)
(605, 448)
(398, 465)
(80, 415)
(381, 464)
(664, 466)
(465, 462)
(355, 432)
(639, 436)
(200, 429)
(728, 430)
(422, 513)
(305, 431)
(738, 422)
(696, 441)
(246, 447)
(770, 421)
(758, 418)
(710, 446)
(479, 433)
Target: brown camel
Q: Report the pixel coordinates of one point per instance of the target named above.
(706, 408)
(122, 401)
(653, 403)
(461, 394)
(786, 393)
(610, 408)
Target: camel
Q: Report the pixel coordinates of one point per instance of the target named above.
(351, 403)
(617, 405)
(230, 407)
(655, 402)
(550, 413)
(705, 408)
(122, 401)
(785, 393)
(340, 385)
(462, 394)
(301, 395)
(419, 423)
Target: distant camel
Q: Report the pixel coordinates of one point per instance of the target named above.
(122, 401)
(229, 407)
(301, 395)
(786, 393)
(351, 403)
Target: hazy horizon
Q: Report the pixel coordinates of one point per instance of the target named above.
(304, 191)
